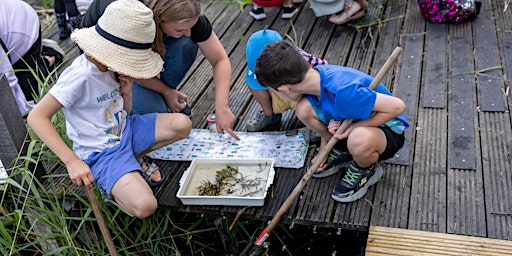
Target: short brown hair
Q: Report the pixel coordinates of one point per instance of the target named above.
(280, 63)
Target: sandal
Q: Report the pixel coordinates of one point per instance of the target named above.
(343, 17)
(151, 168)
(264, 123)
(335, 161)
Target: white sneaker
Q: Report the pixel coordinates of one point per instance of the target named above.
(3, 173)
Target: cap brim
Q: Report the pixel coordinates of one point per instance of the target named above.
(135, 63)
(252, 82)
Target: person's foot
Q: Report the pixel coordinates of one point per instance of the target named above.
(258, 13)
(151, 172)
(289, 11)
(355, 183)
(52, 49)
(353, 10)
(154, 176)
(264, 123)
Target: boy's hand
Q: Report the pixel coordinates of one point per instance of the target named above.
(80, 173)
(334, 125)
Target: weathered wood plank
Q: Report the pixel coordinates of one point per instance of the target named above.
(392, 193)
(490, 84)
(497, 180)
(393, 241)
(462, 100)
(434, 78)
(428, 202)
(12, 127)
(407, 86)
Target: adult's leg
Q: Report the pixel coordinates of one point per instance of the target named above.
(179, 57)
(177, 61)
(31, 63)
(75, 18)
(60, 16)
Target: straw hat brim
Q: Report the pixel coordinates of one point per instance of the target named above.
(135, 63)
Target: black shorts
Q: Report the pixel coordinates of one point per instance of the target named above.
(394, 142)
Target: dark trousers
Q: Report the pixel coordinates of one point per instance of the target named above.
(31, 68)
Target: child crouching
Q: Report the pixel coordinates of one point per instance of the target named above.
(95, 93)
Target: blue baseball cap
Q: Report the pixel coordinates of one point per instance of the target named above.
(255, 45)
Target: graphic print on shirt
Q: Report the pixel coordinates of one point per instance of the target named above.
(115, 115)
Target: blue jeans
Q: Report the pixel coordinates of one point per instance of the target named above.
(179, 57)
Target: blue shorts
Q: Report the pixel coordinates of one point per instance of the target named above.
(111, 164)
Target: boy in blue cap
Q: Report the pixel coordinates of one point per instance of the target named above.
(328, 94)
(271, 103)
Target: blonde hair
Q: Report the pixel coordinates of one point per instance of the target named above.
(171, 11)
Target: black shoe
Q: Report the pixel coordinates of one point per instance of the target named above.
(258, 13)
(52, 48)
(355, 183)
(289, 11)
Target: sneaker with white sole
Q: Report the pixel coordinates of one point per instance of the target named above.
(52, 48)
(355, 183)
(258, 13)
(289, 12)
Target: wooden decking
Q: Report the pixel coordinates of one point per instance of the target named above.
(452, 176)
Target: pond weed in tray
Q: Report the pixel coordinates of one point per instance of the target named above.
(247, 186)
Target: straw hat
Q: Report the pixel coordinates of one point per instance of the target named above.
(122, 40)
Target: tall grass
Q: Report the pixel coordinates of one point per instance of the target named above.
(45, 216)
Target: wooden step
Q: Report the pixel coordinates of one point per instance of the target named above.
(396, 241)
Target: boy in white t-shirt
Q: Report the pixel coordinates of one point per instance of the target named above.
(95, 93)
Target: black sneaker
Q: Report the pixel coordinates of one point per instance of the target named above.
(289, 12)
(355, 183)
(52, 48)
(258, 13)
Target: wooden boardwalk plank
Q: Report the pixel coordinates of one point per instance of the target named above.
(434, 78)
(490, 85)
(497, 181)
(462, 100)
(429, 196)
(393, 241)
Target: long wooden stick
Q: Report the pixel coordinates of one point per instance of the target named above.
(101, 222)
(323, 155)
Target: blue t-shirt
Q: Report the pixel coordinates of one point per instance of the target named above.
(344, 93)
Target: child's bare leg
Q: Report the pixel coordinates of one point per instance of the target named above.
(365, 144)
(308, 116)
(132, 193)
(169, 128)
(264, 99)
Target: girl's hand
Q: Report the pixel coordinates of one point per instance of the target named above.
(175, 100)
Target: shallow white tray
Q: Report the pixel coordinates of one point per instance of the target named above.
(255, 177)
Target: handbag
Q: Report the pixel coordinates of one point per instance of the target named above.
(449, 11)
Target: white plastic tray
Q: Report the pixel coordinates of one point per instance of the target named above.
(255, 177)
